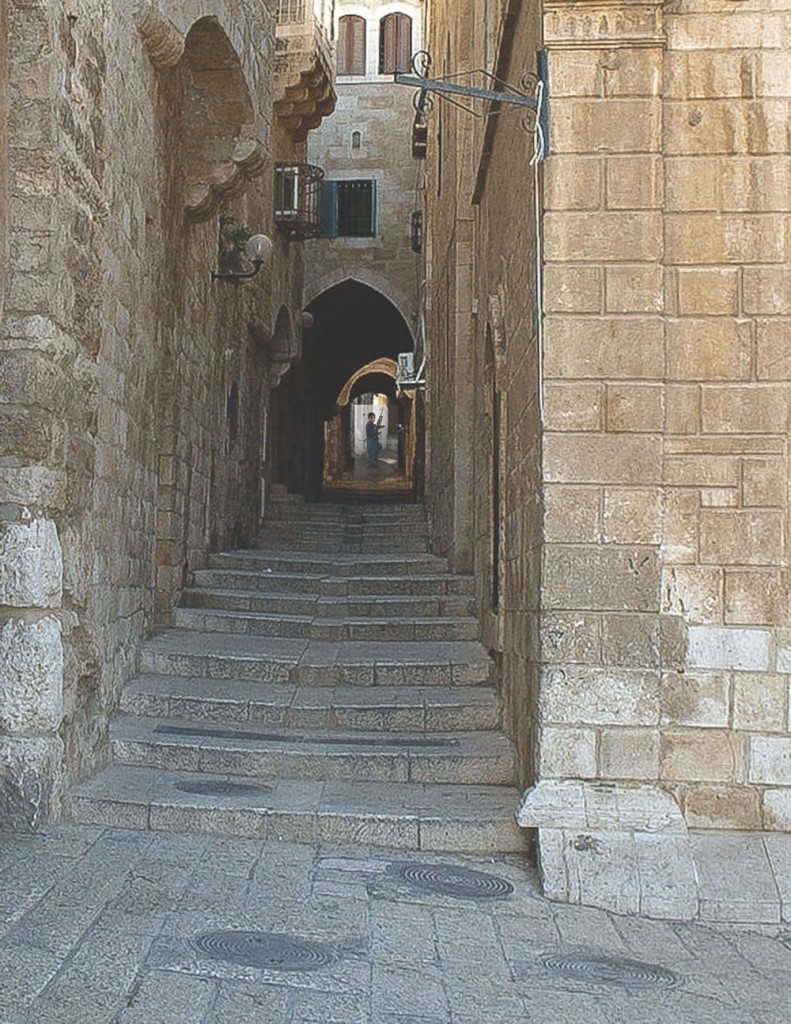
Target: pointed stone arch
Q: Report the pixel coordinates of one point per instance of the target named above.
(376, 282)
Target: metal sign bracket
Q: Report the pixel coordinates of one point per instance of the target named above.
(533, 95)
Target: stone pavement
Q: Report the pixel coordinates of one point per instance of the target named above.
(110, 926)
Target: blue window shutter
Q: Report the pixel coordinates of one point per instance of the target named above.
(329, 209)
(373, 207)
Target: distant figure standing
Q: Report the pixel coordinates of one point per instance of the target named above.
(372, 445)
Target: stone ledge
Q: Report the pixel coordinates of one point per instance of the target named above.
(622, 848)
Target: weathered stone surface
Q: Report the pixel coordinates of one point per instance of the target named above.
(695, 755)
(770, 760)
(31, 676)
(587, 695)
(696, 698)
(31, 780)
(31, 566)
(715, 647)
(621, 848)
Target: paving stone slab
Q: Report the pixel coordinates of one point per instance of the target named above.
(737, 882)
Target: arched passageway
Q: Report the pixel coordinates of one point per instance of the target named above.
(354, 327)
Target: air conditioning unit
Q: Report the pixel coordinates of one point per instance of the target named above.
(406, 365)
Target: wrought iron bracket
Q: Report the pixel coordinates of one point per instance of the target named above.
(532, 94)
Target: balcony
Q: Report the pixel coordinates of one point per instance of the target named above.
(304, 65)
(297, 200)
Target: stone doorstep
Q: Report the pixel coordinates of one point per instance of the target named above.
(400, 709)
(411, 816)
(250, 750)
(618, 847)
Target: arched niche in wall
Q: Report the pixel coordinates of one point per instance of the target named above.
(219, 149)
(216, 131)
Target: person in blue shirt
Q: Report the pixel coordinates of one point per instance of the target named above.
(372, 445)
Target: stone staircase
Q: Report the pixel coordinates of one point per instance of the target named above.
(326, 685)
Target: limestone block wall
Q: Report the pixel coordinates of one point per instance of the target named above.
(449, 259)
(505, 372)
(665, 569)
(131, 387)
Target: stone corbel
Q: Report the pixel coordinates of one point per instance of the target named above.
(163, 42)
(247, 161)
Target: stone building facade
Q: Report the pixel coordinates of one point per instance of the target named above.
(138, 150)
(367, 138)
(628, 449)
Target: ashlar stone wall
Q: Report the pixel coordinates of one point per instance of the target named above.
(484, 423)
(132, 387)
(640, 518)
(665, 456)
(368, 137)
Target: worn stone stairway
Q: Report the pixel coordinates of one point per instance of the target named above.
(326, 685)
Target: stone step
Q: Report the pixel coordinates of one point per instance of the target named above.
(419, 585)
(329, 563)
(386, 607)
(253, 751)
(342, 545)
(392, 527)
(325, 628)
(409, 816)
(351, 708)
(315, 662)
(333, 510)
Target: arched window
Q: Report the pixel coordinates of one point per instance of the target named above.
(395, 44)
(351, 45)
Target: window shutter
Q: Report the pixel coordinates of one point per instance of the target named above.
(358, 47)
(395, 43)
(351, 45)
(329, 209)
(387, 44)
(403, 54)
(343, 45)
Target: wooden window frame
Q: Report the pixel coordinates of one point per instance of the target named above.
(395, 43)
(351, 48)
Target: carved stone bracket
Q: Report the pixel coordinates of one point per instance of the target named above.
(306, 101)
(163, 41)
(247, 161)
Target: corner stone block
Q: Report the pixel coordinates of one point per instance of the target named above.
(31, 564)
(621, 848)
(31, 676)
(30, 781)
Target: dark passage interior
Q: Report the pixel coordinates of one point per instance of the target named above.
(354, 325)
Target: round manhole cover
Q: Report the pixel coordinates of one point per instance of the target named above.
(610, 971)
(269, 950)
(210, 788)
(448, 880)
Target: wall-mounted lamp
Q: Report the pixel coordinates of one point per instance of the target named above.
(259, 250)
